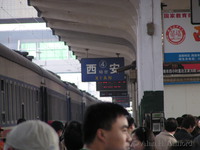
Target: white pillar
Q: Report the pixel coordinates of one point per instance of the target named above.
(149, 50)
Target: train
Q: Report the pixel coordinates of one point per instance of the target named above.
(31, 92)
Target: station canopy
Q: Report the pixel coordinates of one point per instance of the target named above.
(98, 28)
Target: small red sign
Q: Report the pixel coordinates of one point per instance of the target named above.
(175, 34)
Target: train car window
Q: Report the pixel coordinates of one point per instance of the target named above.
(27, 102)
(18, 103)
(33, 102)
(3, 105)
(11, 101)
(37, 104)
(30, 99)
(26, 105)
(22, 108)
(23, 114)
(83, 107)
(15, 99)
(50, 108)
(7, 102)
(28, 109)
(61, 109)
(2, 85)
(37, 96)
(30, 102)
(64, 106)
(14, 102)
(36, 101)
(3, 117)
(20, 100)
(53, 106)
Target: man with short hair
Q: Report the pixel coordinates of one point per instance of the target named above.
(105, 127)
(187, 127)
(166, 138)
(73, 137)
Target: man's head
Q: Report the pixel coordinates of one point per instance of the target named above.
(171, 125)
(107, 124)
(73, 137)
(189, 122)
(32, 135)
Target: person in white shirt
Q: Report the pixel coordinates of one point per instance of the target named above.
(165, 139)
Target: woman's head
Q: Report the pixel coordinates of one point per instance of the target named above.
(142, 139)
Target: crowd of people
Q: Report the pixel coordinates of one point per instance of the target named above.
(106, 126)
(182, 133)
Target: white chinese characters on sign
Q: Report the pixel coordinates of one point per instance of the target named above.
(91, 69)
(113, 68)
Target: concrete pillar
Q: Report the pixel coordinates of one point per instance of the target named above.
(149, 57)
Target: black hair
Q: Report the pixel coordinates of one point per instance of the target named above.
(73, 136)
(57, 125)
(100, 116)
(184, 115)
(188, 121)
(179, 121)
(171, 125)
(20, 120)
(131, 121)
(145, 136)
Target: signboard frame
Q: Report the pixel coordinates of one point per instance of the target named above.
(122, 100)
(111, 85)
(101, 69)
(113, 93)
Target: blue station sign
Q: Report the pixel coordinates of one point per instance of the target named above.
(101, 69)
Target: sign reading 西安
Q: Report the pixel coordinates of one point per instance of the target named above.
(101, 69)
